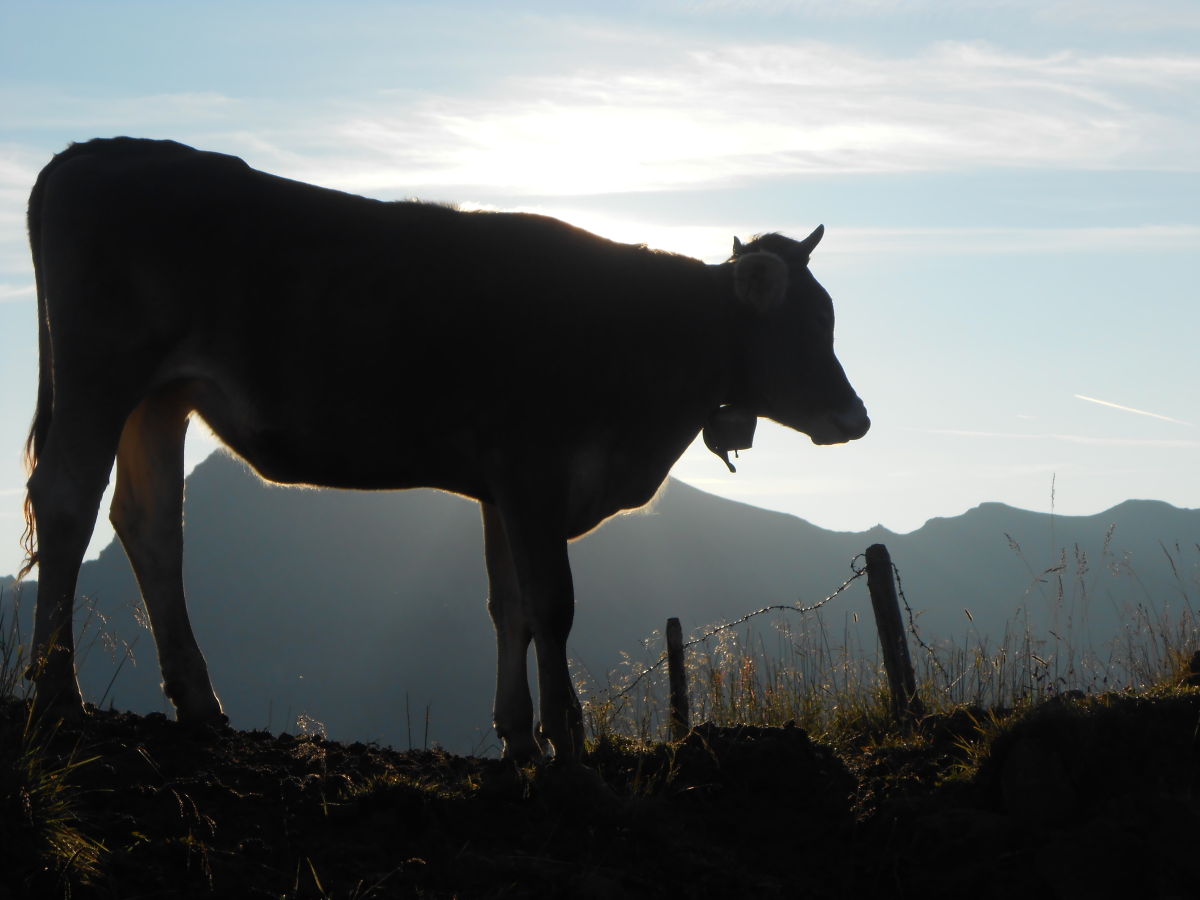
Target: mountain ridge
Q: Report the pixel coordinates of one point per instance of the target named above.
(351, 606)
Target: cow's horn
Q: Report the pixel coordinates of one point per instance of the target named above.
(809, 244)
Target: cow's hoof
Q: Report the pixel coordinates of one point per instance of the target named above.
(210, 726)
(525, 758)
(202, 720)
(56, 714)
(568, 744)
(525, 750)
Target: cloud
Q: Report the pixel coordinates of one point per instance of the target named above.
(704, 112)
(18, 170)
(13, 293)
(955, 241)
(45, 108)
(717, 113)
(1118, 16)
(1140, 412)
(852, 244)
(1065, 438)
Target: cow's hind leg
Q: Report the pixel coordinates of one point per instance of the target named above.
(147, 514)
(65, 488)
(512, 714)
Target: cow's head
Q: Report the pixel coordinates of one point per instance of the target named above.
(790, 373)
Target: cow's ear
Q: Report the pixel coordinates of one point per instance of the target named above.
(760, 279)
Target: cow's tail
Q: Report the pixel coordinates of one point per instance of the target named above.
(45, 396)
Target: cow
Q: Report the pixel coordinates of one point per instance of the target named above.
(337, 341)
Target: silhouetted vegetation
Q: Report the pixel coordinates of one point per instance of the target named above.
(1058, 793)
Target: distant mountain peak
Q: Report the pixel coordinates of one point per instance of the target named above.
(1145, 505)
(878, 531)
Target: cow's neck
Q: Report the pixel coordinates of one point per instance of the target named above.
(740, 345)
(729, 426)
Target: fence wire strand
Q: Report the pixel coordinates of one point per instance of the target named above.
(912, 626)
(859, 572)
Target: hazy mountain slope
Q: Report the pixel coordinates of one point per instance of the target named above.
(343, 605)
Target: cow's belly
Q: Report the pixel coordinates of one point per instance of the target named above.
(302, 440)
(336, 433)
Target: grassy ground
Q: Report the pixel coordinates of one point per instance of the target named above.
(1039, 768)
(806, 667)
(1090, 798)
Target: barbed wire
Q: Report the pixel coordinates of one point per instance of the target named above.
(858, 571)
(912, 626)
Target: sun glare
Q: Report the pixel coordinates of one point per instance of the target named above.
(556, 150)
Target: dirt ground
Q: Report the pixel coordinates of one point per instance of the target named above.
(1094, 800)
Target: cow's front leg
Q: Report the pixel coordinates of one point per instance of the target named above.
(538, 551)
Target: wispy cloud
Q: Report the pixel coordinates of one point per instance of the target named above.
(38, 107)
(711, 242)
(1130, 409)
(10, 293)
(955, 241)
(1065, 438)
(705, 112)
(17, 173)
(1104, 15)
(711, 113)
(1115, 15)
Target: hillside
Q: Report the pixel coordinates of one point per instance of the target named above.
(1096, 799)
(365, 611)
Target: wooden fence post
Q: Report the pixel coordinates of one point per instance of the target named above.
(678, 680)
(902, 683)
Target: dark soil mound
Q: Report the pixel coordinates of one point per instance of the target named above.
(1092, 800)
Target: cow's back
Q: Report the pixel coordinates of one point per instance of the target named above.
(338, 340)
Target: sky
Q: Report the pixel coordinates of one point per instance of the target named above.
(1009, 187)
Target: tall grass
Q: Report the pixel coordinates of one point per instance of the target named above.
(12, 646)
(44, 846)
(824, 672)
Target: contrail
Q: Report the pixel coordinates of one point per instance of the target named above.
(1140, 412)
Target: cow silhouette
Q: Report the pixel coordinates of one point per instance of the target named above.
(333, 340)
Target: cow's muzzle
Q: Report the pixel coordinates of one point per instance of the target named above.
(842, 426)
